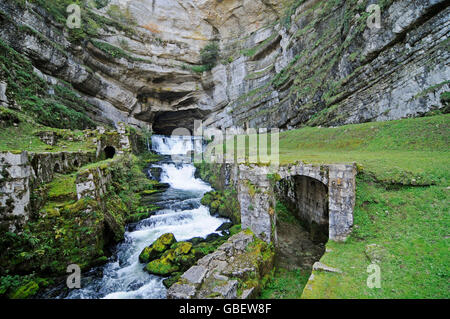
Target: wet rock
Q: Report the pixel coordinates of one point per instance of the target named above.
(157, 249)
(225, 226)
(214, 275)
(322, 267)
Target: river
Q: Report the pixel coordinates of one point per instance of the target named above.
(181, 213)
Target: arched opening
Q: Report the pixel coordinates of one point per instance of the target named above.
(109, 152)
(57, 168)
(302, 221)
(76, 163)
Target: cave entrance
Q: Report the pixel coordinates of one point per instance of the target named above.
(302, 221)
(109, 152)
(165, 122)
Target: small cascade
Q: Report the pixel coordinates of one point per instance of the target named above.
(181, 214)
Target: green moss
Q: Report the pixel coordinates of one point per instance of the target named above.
(29, 91)
(158, 248)
(223, 203)
(161, 267)
(62, 188)
(182, 248)
(25, 291)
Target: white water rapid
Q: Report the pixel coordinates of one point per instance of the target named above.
(181, 214)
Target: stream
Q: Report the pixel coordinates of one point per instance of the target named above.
(123, 276)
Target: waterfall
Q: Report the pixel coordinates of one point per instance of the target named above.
(181, 214)
(176, 145)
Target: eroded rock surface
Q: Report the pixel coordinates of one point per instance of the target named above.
(234, 270)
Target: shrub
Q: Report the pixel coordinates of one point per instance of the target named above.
(209, 55)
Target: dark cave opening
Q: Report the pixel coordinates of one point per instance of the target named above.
(302, 221)
(109, 152)
(166, 122)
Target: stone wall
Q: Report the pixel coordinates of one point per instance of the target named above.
(235, 270)
(93, 182)
(308, 198)
(332, 193)
(15, 174)
(22, 173)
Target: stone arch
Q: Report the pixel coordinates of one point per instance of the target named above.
(109, 151)
(57, 168)
(338, 179)
(76, 163)
(307, 198)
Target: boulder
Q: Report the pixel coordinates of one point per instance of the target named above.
(157, 249)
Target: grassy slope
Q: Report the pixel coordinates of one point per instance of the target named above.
(23, 138)
(410, 222)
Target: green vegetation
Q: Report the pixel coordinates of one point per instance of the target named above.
(111, 50)
(66, 230)
(91, 22)
(284, 215)
(402, 205)
(62, 188)
(224, 204)
(286, 284)
(63, 109)
(411, 224)
(209, 56)
(19, 133)
(253, 51)
(408, 151)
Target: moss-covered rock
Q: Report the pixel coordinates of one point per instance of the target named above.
(157, 249)
(26, 291)
(224, 204)
(162, 266)
(183, 248)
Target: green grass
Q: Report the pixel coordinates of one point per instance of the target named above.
(22, 137)
(408, 151)
(402, 204)
(286, 284)
(412, 224)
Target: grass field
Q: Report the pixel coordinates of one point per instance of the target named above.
(402, 206)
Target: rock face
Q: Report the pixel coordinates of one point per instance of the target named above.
(233, 271)
(281, 65)
(327, 67)
(22, 173)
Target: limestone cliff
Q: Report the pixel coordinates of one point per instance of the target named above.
(282, 63)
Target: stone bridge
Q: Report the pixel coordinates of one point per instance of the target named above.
(321, 195)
